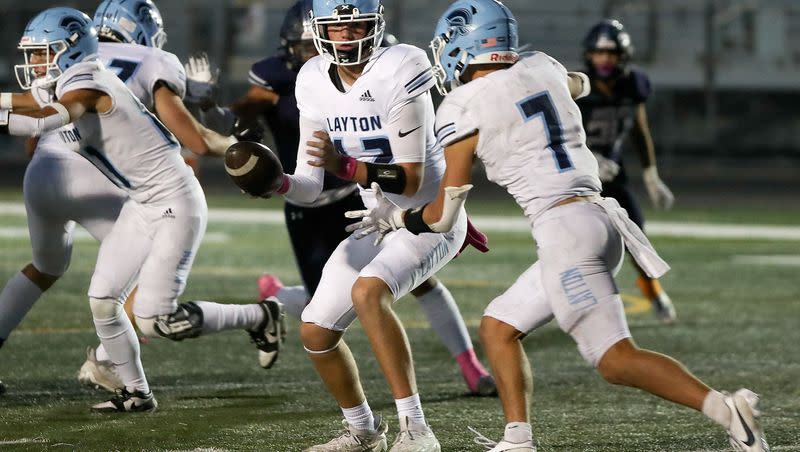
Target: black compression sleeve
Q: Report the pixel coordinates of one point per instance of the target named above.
(391, 178)
(414, 222)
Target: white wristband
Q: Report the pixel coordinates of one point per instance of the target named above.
(63, 114)
(6, 101)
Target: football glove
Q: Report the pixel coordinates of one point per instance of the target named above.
(607, 169)
(384, 218)
(201, 80)
(251, 131)
(660, 195)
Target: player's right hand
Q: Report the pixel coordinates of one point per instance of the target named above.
(201, 80)
(607, 169)
(384, 218)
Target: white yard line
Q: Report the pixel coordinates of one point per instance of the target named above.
(495, 223)
(781, 260)
(80, 234)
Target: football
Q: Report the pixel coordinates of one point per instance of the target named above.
(254, 168)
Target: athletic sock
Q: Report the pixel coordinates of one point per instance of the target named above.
(445, 319)
(518, 432)
(221, 317)
(101, 354)
(360, 417)
(120, 342)
(411, 408)
(715, 408)
(16, 299)
(294, 299)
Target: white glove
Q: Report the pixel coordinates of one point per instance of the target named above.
(607, 169)
(201, 79)
(659, 194)
(383, 219)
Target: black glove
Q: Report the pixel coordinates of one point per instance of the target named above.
(252, 131)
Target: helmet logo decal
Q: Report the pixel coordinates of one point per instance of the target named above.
(459, 21)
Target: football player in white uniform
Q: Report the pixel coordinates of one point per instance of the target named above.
(272, 96)
(366, 115)
(156, 236)
(517, 114)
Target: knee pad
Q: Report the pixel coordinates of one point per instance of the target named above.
(186, 322)
(105, 308)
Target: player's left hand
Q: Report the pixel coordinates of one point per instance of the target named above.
(201, 80)
(326, 155)
(384, 218)
(659, 193)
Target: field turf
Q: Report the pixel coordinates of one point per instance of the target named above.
(739, 327)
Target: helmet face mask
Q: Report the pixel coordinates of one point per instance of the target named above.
(131, 22)
(355, 13)
(53, 41)
(607, 38)
(472, 32)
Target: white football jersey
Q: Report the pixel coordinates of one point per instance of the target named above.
(128, 143)
(140, 67)
(531, 140)
(357, 119)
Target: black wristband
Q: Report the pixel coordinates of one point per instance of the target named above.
(414, 222)
(391, 178)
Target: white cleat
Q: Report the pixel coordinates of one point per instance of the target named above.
(503, 445)
(354, 440)
(99, 374)
(745, 433)
(415, 438)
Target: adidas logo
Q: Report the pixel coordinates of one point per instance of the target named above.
(367, 97)
(168, 213)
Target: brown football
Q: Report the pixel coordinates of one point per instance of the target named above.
(254, 168)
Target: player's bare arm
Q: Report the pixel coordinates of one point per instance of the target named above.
(18, 101)
(257, 101)
(657, 190)
(69, 108)
(187, 130)
(458, 157)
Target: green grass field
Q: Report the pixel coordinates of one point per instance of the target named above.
(739, 326)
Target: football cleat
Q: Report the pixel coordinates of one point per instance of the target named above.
(415, 437)
(355, 440)
(268, 286)
(128, 402)
(744, 432)
(486, 387)
(271, 333)
(662, 305)
(99, 374)
(2, 388)
(503, 445)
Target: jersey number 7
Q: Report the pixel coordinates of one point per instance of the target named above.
(540, 105)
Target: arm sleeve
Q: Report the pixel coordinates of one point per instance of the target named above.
(453, 122)
(305, 185)
(408, 127)
(641, 87)
(272, 74)
(26, 126)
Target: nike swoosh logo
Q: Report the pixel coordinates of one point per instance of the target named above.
(751, 439)
(405, 134)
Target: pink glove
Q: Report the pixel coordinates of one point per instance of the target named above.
(476, 238)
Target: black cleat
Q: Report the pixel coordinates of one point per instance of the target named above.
(269, 336)
(128, 402)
